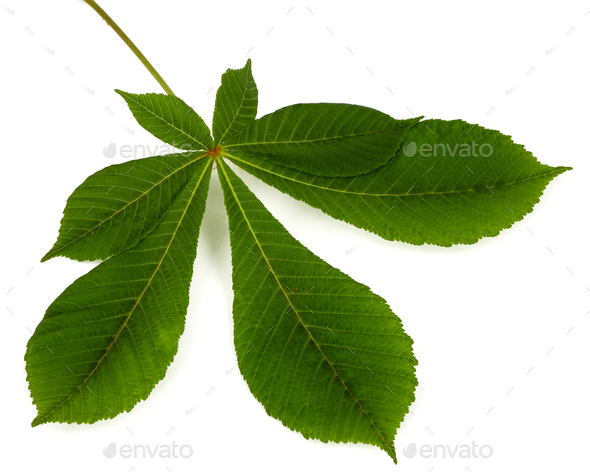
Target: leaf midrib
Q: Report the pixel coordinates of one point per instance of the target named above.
(51, 253)
(221, 166)
(556, 170)
(38, 419)
(343, 136)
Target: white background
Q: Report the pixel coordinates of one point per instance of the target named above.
(481, 316)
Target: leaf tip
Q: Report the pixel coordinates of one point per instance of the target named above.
(37, 421)
(559, 170)
(123, 94)
(47, 256)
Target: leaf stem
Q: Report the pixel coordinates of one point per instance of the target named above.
(103, 14)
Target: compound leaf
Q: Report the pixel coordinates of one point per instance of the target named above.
(327, 139)
(168, 118)
(107, 340)
(421, 196)
(118, 205)
(320, 351)
(236, 103)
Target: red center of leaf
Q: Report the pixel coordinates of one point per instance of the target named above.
(215, 151)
